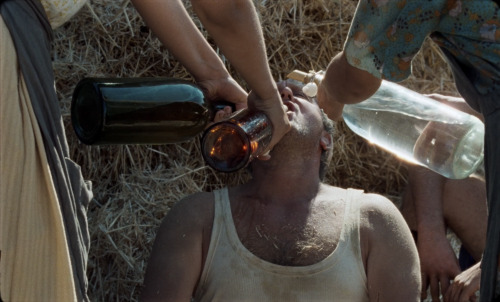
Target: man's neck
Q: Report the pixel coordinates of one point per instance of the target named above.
(284, 211)
(285, 181)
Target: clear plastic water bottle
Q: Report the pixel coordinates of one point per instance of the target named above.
(415, 128)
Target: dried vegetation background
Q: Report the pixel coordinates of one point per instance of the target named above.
(135, 186)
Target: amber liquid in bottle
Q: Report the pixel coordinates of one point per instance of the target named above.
(230, 145)
(138, 111)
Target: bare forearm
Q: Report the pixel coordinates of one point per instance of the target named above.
(171, 23)
(344, 84)
(236, 29)
(427, 190)
(347, 84)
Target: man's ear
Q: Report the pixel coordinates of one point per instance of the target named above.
(326, 141)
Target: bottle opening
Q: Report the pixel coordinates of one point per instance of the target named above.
(225, 147)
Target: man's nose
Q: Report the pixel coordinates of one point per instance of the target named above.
(286, 94)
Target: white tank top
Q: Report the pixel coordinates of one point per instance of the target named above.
(232, 273)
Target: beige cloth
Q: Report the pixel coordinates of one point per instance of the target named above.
(60, 11)
(232, 273)
(34, 261)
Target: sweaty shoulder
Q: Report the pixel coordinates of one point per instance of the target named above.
(177, 256)
(379, 214)
(373, 205)
(382, 225)
(379, 218)
(388, 251)
(196, 209)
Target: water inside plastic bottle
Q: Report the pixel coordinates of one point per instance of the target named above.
(413, 127)
(453, 149)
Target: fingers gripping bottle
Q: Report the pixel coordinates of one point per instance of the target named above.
(107, 111)
(414, 127)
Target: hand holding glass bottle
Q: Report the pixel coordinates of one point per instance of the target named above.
(139, 110)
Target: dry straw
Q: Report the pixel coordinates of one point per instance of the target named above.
(135, 186)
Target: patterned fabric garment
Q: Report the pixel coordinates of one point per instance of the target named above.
(386, 35)
(60, 11)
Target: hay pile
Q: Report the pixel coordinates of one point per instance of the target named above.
(135, 186)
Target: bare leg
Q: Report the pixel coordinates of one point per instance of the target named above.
(464, 210)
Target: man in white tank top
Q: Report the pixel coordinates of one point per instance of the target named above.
(285, 235)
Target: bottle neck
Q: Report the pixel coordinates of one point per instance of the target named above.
(306, 77)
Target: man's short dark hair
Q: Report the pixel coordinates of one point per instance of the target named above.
(326, 155)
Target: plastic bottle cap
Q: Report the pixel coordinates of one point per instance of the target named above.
(310, 89)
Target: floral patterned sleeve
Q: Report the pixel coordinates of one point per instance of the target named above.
(385, 35)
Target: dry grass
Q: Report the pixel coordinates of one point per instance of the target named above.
(135, 186)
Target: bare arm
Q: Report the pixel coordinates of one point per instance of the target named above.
(171, 23)
(438, 261)
(176, 260)
(236, 29)
(344, 84)
(390, 255)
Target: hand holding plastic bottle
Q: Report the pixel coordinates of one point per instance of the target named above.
(332, 108)
(344, 84)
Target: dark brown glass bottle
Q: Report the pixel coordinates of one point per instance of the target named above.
(230, 145)
(138, 111)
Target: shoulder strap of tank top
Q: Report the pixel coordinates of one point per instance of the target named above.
(352, 199)
(227, 217)
(350, 208)
(219, 196)
(224, 200)
(352, 224)
(351, 219)
(220, 201)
